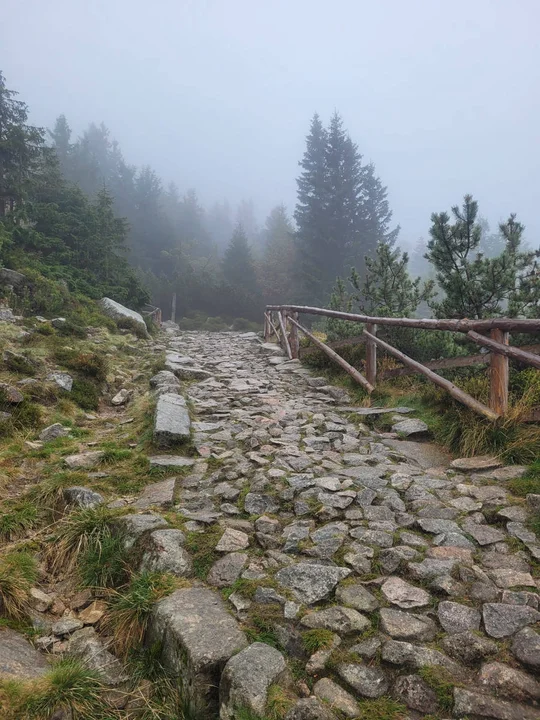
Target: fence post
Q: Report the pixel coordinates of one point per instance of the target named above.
(498, 380)
(173, 308)
(371, 356)
(293, 336)
(282, 317)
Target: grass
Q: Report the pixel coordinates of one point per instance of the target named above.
(383, 708)
(279, 702)
(18, 520)
(69, 688)
(129, 610)
(104, 564)
(202, 547)
(81, 531)
(260, 626)
(441, 681)
(18, 572)
(318, 639)
(529, 483)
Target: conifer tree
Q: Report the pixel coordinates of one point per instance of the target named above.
(277, 275)
(238, 265)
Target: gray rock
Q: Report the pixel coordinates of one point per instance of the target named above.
(84, 461)
(505, 578)
(172, 424)
(12, 277)
(475, 464)
(232, 540)
(160, 494)
(369, 682)
(397, 652)
(403, 594)
(121, 397)
(62, 379)
(52, 432)
(170, 461)
(123, 316)
(338, 698)
(87, 645)
(416, 694)
(258, 504)
(431, 568)
(66, 626)
(356, 596)
(246, 679)
(407, 626)
(164, 552)
(456, 618)
(197, 637)
(502, 620)
(6, 315)
(10, 394)
(18, 659)
(227, 569)
(526, 647)
(469, 647)
(133, 527)
(310, 583)
(187, 372)
(436, 526)
(367, 648)
(467, 703)
(310, 708)
(82, 497)
(338, 619)
(410, 427)
(483, 534)
(164, 378)
(379, 538)
(509, 682)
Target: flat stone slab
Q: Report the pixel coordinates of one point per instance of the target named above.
(160, 494)
(170, 461)
(426, 455)
(172, 424)
(403, 594)
(410, 427)
(366, 412)
(475, 464)
(198, 636)
(19, 660)
(310, 583)
(83, 461)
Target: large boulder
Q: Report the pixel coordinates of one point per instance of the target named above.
(11, 277)
(87, 645)
(124, 317)
(171, 421)
(197, 636)
(18, 659)
(246, 679)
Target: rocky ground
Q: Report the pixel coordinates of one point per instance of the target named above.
(331, 571)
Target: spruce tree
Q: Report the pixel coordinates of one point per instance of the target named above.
(310, 215)
(61, 139)
(238, 265)
(277, 270)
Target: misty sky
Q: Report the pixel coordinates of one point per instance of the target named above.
(218, 94)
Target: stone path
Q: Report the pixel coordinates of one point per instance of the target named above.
(408, 571)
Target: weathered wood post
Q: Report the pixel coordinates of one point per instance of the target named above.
(293, 336)
(499, 372)
(266, 329)
(284, 339)
(173, 308)
(371, 356)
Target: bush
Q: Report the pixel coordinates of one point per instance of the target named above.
(93, 365)
(85, 394)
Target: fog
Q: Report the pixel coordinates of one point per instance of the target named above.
(218, 95)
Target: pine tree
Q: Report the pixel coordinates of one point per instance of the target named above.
(310, 215)
(475, 286)
(238, 265)
(61, 139)
(21, 149)
(277, 269)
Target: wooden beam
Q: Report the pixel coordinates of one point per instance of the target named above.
(503, 348)
(293, 337)
(353, 372)
(499, 374)
(284, 338)
(272, 326)
(462, 325)
(452, 390)
(371, 356)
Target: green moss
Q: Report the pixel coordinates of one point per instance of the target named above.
(441, 681)
(202, 547)
(318, 639)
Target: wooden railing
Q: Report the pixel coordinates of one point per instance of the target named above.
(282, 321)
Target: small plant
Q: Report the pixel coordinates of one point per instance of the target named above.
(130, 610)
(318, 639)
(529, 483)
(17, 520)
(69, 687)
(383, 708)
(279, 702)
(85, 394)
(104, 564)
(18, 572)
(78, 533)
(202, 547)
(440, 680)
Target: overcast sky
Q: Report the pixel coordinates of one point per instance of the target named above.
(442, 95)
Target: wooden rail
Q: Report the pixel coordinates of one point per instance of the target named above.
(500, 351)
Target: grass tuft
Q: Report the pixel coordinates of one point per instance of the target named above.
(383, 708)
(18, 572)
(129, 611)
(441, 681)
(279, 702)
(318, 639)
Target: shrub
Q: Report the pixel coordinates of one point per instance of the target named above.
(92, 365)
(85, 394)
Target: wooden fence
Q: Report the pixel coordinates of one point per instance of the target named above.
(493, 334)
